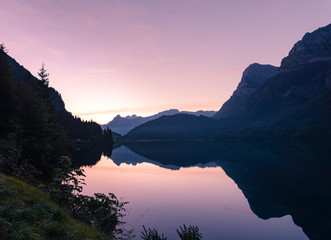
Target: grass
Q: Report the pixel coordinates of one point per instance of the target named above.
(27, 213)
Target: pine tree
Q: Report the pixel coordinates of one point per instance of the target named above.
(43, 75)
(3, 48)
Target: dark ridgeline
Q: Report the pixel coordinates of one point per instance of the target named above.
(36, 136)
(122, 125)
(35, 128)
(31, 137)
(252, 79)
(293, 101)
(277, 178)
(85, 131)
(179, 126)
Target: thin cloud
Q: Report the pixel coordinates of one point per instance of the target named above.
(121, 110)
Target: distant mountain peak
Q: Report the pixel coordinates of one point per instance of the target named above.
(131, 116)
(123, 125)
(292, 101)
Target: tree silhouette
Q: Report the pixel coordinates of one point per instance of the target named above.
(43, 75)
(152, 234)
(3, 48)
(189, 233)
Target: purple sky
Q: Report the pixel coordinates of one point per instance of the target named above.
(127, 56)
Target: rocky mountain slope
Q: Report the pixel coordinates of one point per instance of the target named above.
(293, 102)
(253, 77)
(296, 98)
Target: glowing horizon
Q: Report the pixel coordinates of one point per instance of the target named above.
(146, 57)
(144, 111)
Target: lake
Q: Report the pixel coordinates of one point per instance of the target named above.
(229, 190)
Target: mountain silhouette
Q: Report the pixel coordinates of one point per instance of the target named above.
(123, 125)
(252, 79)
(293, 101)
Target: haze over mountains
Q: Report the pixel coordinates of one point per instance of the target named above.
(123, 125)
(291, 101)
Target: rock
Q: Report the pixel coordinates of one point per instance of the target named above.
(253, 77)
(315, 46)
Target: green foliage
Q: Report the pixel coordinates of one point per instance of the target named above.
(101, 211)
(185, 233)
(27, 213)
(10, 162)
(32, 137)
(66, 184)
(189, 233)
(32, 148)
(152, 234)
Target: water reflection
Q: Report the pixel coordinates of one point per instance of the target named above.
(90, 155)
(277, 180)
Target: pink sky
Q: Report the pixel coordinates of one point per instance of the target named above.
(165, 199)
(109, 57)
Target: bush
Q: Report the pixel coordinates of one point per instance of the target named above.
(189, 233)
(152, 234)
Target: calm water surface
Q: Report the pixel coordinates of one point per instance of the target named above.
(165, 195)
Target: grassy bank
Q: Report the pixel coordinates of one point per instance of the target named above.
(27, 213)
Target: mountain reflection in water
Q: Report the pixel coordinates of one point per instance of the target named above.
(276, 179)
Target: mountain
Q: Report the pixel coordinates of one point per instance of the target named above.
(200, 113)
(294, 101)
(123, 125)
(178, 126)
(32, 140)
(21, 74)
(253, 77)
(88, 132)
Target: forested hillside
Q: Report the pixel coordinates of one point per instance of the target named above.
(36, 138)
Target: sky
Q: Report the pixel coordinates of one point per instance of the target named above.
(109, 57)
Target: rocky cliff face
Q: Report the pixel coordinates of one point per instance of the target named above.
(313, 47)
(291, 101)
(303, 75)
(253, 77)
